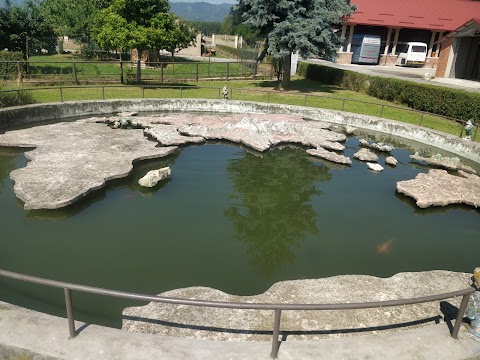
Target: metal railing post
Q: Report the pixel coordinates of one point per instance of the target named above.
(219, 94)
(421, 119)
(71, 320)
(268, 97)
(460, 315)
(381, 111)
(343, 104)
(276, 332)
(103, 92)
(196, 74)
(181, 92)
(61, 94)
(305, 102)
(143, 92)
(75, 79)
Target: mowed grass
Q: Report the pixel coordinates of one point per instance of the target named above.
(303, 93)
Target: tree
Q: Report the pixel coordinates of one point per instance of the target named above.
(132, 24)
(72, 18)
(179, 36)
(306, 26)
(23, 26)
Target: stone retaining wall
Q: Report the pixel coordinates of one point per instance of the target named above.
(24, 115)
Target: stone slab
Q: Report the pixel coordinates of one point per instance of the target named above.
(252, 325)
(71, 159)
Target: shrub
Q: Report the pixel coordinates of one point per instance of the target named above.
(438, 100)
(14, 98)
(9, 71)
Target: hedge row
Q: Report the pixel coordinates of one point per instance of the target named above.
(438, 100)
(9, 70)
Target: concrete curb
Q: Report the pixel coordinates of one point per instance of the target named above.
(27, 334)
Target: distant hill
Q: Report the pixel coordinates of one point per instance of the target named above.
(200, 11)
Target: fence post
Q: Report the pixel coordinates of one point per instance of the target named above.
(75, 79)
(381, 111)
(343, 104)
(460, 315)
(121, 72)
(143, 92)
(421, 119)
(139, 70)
(276, 332)
(61, 94)
(228, 70)
(255, 70)
(305, 102)
(268, 97)
(219, 94)
(19, 69)
(103, 92)
(181, 92)
(71, 320)
(161, 73)
(196, 74)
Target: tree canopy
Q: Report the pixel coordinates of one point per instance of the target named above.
(306, 26)
(140, 25)
(23, 29)
(72, 18)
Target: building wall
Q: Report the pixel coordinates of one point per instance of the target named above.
(443, 58)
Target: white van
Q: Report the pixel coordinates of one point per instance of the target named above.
(412, 53)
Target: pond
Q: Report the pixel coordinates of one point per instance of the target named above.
(232, 219)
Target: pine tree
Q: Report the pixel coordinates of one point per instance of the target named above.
(306, 26)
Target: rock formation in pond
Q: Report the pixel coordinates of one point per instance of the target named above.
(450, 163)
(154, 176)
(366, 155)
(208, 323)
(330, 156)
(71, 159)
(375, 167)
(260, 131)
(390, 160)
(376, 146)
(439, 188)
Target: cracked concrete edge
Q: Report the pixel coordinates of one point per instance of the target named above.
(31, 114)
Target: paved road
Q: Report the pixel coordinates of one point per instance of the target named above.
(406, 73)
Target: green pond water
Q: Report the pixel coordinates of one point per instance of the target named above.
(231, 219)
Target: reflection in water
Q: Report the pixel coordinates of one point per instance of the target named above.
(271, 207)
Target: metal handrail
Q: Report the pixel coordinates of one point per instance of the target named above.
(277, 307)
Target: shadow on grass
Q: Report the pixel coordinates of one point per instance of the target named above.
(302, 85)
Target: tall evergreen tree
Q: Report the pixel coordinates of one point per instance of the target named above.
(306, 26)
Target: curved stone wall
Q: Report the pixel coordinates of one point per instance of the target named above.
(24, 115)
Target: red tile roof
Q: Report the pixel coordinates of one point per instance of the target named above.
(440, 15)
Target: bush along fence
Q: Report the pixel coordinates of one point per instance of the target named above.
(453, 103)
(123, 72)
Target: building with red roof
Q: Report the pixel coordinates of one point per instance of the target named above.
(451, 25)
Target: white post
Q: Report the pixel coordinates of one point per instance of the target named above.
(213, 39)
(344, 31)
(350, 35)
(395, 41)
(387, 44)
(430, 46)
(236, 42)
